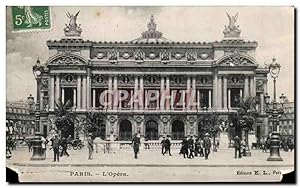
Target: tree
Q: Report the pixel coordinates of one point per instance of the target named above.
(64, 117)
(246, 117)
(92, 123)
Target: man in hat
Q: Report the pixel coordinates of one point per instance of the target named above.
(191, 147)
(168, 146)
(237, 147)
(206, 145)
(90, 146)
(136, 145)
(184, 147)
(55, 147)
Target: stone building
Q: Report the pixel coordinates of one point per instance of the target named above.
(214, 74)
(19, 119)
(287, 120)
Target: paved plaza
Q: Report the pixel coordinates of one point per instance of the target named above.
(150, 166)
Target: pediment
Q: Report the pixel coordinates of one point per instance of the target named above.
(236, 60)
(67, 60)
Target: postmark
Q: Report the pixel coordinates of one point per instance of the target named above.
(31, 18)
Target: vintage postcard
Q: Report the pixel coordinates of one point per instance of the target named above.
(150, 94)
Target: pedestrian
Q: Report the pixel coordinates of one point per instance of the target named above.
(191, 147)
(136, 145)
(69, 140)
(90, 146)
(197, 147)
(206, 145)
(64, 146)
(184, 147)
(168, 146)
(163, 145)
(44, 143)
(55, 147)
(237, 147)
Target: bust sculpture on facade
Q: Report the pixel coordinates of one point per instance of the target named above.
(232, 30)
(73, 29)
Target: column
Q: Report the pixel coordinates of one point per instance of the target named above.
(168, 93)
(146, 100)
(88, 92)
(215, 92)
(51, 92)
(131, 99)
(63, 95)
(193, 94)
(184, 101)
(262, 103)
(157, 100)
(254, 86)
(162, 93)
(57, 89)
(136, 84)
(251, 87)
(225, 92)
(74, 97)
(141, 96)
(219, 92)
(110, 101)
(84, 92)
(79, 91)
(94, 98)
(198, 99)
(246, 87)
(116, 96)
(188, 93)
(241, 92)
(229, 98)
(209, 98)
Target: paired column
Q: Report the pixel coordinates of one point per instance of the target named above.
(51, 92)
(116, 96)
(209, 98)
(136, 84)
(63, 95)
(162, 93)
(215, 91)
(225, 92)
(198, 99)
(88, 91)
(186, 99)
(262, 103)
(94, 98)
(79, 91)
(84, 91)
(219, 92)
(168, 94)
(229, 98)
(141, 95)
(246, 87)
(193, 94)
(74, 97)
(57, 89)
(110, 91)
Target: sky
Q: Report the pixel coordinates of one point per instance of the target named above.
(271, 27)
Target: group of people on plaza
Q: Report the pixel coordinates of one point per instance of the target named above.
(199, 147)
(286, 143)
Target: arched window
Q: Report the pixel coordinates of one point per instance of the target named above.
(151, 130)
(125, 131)
(177, 130)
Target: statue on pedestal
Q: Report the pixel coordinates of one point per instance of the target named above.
(72, 29)
(232, 30)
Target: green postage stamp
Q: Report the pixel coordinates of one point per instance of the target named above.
(31, 18)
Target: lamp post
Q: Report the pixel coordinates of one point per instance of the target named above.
(36, 142)
(274, 69)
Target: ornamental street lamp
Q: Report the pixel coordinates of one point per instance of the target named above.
(36, 142)
(274, 112)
